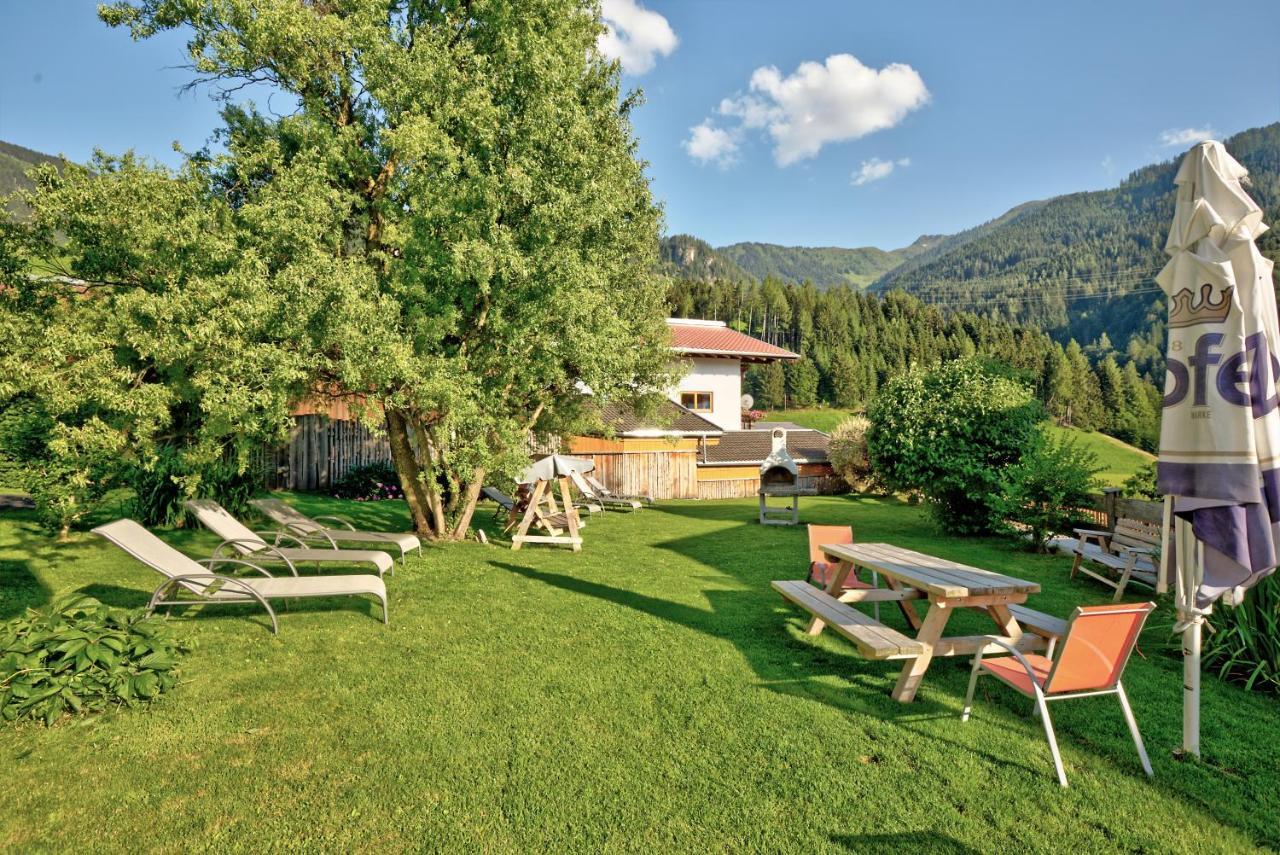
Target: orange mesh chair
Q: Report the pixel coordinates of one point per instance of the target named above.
(820, 569)
(1094, 652)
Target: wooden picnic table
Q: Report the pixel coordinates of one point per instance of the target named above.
(947, 586)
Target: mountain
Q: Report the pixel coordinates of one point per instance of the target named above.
(826, 266)
(687, 257)
(1082, 265)
(14, 163)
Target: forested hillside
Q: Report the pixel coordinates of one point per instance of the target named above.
(825, 267)
(1082, 265)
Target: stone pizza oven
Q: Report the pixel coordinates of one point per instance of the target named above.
(779, 474)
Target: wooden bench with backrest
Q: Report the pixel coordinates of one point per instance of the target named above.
(873, 639)
(1129, 551)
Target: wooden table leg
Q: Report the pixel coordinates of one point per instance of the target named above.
(834, 583)
(1006, 621)
(908, 608)
(930, 631)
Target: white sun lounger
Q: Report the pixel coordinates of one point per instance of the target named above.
(597, 492)
(238, 537)
(311, 529)
(184, 575)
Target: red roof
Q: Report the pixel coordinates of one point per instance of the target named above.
(713, 338)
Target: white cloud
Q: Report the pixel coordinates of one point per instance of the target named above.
(875, 169)
(825, 102)
(709, 144)
(1108, 165)
(1186, 136)
(635, 35)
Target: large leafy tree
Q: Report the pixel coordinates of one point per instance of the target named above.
(451, 224)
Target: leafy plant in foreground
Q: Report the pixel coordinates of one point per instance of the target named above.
(1244, 646)
(79, 655)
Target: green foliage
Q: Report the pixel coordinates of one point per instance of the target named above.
(1244, 646)
(452, 222)
(41, 456)
(949, 433)
(1043, 493)
(78, 655)
(768, 385)
(160, 489)
(370, 482)
(848, 452)
(802, 383)
(1142, 484)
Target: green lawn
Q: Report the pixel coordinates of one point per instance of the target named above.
(648, 694)
(824, 419)
(1117, 460)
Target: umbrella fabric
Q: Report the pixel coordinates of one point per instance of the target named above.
(555, 466)
(1220, 431)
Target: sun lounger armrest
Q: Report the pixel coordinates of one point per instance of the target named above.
(210, 562)
(298, 536)
(227, 581)
(1087, 534)
(339, 520)
(1017, 654)
(257, 549)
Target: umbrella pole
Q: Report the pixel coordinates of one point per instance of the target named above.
(1188, 551)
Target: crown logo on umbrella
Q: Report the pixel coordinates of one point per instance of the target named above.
(1184, 312)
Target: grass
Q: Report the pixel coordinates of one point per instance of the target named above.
(824, 419)
(647, 694)
(1117, 460)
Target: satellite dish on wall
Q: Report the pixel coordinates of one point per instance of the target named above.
(747, 401)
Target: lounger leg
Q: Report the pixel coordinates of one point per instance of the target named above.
(1133, 729)
(1043, 709)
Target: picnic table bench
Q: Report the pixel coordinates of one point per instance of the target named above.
(912, 576)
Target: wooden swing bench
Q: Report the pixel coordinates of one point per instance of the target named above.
(1128, 551)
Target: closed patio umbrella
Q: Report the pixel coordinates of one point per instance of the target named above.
(555, 466)
(1220, 429)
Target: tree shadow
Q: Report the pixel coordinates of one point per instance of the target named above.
(20, 589)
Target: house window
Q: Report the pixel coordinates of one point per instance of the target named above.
(697, 401)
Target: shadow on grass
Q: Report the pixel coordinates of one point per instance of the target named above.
(906, 841)
(133, 598)
(20, 589)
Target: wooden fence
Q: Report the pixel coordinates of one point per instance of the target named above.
(319, 452)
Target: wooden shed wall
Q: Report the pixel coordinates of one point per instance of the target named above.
(319, 452)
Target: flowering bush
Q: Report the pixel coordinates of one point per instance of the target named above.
(369, 483)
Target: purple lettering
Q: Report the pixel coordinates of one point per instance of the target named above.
(1201, 361)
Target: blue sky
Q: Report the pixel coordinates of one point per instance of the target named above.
(951, 112)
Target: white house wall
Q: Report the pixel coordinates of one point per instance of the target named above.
(723, 379)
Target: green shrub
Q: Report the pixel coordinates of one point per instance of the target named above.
(369, 482)
(1244, 646)
(160, 490)
(848, 452)
(949, 433)
(79, 655)
(66, 480)
(1041, 495)
(1142, 484)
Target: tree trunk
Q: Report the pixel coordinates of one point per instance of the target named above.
(470, 496)
(410, 473)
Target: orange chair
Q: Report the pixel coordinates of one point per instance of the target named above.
(1094, 652)
(820, 569)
